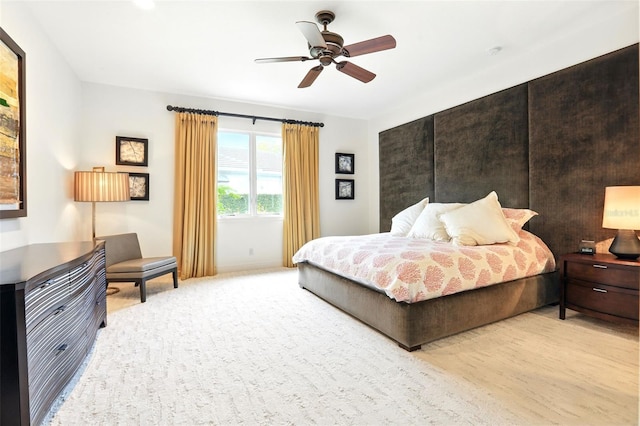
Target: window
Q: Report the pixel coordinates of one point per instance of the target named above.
(249, 174)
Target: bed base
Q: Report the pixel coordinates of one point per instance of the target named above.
(414, 324)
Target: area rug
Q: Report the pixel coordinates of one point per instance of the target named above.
(256, 349)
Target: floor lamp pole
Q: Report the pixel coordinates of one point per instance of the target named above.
(93, 220)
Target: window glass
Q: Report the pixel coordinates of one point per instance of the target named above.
(268, 174)
(234, 183)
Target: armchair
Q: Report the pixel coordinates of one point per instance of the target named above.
(125, 263)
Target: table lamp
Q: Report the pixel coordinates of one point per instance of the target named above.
(622, 212)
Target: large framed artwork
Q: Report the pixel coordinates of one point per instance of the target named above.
(13, 158)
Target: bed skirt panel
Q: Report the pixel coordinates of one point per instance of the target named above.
(412, 325)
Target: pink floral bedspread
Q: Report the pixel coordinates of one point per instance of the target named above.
(411, 270)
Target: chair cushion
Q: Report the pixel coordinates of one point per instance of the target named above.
(143, 264)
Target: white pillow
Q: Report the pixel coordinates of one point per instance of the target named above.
(402, 222)
(479, 223)
(428, 225)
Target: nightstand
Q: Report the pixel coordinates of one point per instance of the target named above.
(601, 286)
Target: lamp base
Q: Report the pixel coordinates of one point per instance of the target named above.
(625, 245)
(112, 290)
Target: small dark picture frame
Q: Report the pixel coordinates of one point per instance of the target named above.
(345, 189)
(345, 163)
(139, 186)
(132, 151)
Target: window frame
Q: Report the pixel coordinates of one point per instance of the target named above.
(253, 176)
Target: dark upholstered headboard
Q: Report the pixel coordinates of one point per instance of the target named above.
(552, 144)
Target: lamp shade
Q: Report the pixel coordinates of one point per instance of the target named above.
(621, 207)
(101, 186)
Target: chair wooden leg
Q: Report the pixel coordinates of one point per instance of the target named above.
(175, 278)
(143, 290)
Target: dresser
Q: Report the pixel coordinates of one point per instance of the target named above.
(52, 302)
(601, 286)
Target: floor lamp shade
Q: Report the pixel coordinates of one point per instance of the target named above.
(100, 186)
(622, 212)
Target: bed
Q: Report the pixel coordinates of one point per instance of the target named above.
(531, 146)
(417, 283)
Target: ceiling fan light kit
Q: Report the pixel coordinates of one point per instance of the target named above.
(325, 46)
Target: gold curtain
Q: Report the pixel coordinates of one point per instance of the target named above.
(300, 186)
(194, 212)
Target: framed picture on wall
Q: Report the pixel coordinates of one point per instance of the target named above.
(345, 189)
(139, 186)
(132, 151)
(13, 160)
(345, 163)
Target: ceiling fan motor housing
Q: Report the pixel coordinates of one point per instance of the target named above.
(334, 44)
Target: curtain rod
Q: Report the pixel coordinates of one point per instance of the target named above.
(252, 117)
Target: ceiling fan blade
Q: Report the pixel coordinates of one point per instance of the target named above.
(310, 77)
(284, 59)
(355, 71)
(369, 46)
(311, 33)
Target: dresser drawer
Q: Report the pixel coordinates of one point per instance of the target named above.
(52, 338)
(54, 350)
(44, 299)
(616, 301)
(604, 273)
(62, 363)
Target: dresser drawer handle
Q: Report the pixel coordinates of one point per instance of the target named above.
(600, 290)
(61, 348)
(600, 266)
(46, 284)
(59, 310)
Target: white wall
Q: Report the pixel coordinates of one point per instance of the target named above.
(242, 243)
(53, 101)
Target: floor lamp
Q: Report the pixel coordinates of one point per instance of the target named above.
(99, 186)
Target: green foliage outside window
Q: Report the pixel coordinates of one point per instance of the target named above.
(269, 203)
(230, 202)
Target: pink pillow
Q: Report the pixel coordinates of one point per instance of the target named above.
(518, 217)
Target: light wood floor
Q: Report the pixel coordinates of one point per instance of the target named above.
(578, 371)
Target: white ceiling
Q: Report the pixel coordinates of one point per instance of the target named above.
(207, 48)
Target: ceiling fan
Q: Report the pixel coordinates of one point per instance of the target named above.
(326, 46)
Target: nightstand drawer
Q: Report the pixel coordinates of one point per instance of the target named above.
(604, 273)
(616, 301)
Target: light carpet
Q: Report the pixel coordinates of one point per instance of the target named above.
(255, 348)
